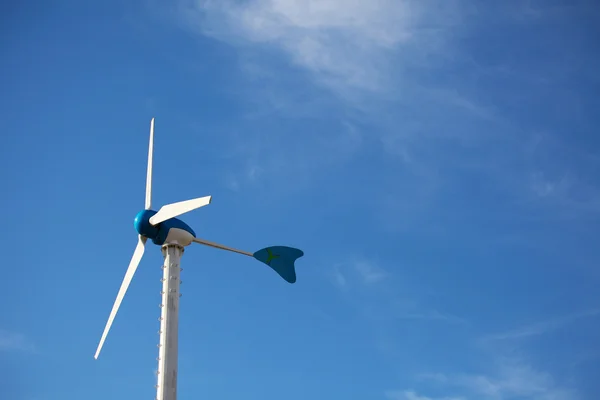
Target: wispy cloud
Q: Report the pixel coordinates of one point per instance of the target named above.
(509, 378)
(12, 341)
(357, 274)
(379, 296)
(369, 273)
(345, 45)
(402, 75)
(541, 327)
(507, 373)
(292, 156)
(412, 395)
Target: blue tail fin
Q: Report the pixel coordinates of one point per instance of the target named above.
(281, 259)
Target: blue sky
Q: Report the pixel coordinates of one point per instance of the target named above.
(437, 161)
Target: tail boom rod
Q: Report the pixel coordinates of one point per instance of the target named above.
(222, 247)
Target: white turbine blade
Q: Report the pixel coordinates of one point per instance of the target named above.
(133, 264)
(222, 247)
(175, 209)
(149, 172)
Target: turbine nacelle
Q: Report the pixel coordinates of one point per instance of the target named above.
(172, 230)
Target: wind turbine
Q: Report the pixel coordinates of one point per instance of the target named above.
(173, 235)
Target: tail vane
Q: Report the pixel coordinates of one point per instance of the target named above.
(281, 259)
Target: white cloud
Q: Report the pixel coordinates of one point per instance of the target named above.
(339, 279)
(11, 341)
(402, 69)
(508, 376)
(358, 273)
(369, 272)
(380, 297)
(510, 379)
(345, 44)
(542, 327)
(412, 395)
(256, 156)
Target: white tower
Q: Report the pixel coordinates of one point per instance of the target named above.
(166, 387)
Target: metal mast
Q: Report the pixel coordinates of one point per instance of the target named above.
(166, 387)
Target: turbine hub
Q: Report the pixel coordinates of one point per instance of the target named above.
(142, 224)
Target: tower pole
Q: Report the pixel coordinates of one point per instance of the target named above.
(166, 388)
